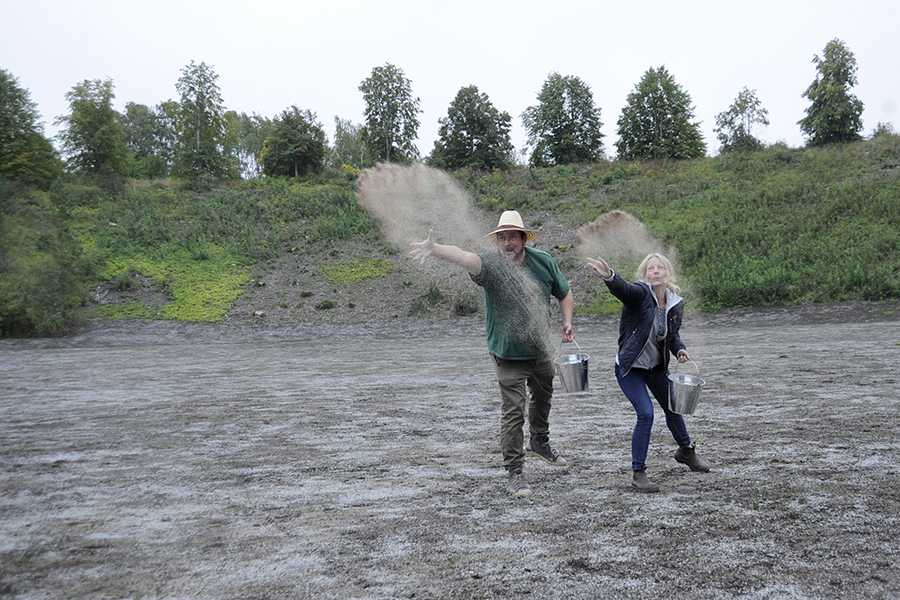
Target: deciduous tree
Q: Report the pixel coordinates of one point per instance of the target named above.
(296, 145)
(349, 146)
(91, 135)
(25, 154)
(735, 126)
(834, 115)
(148, 134)
(565, 126)
(473, 134)
(205, 145)
(656, 121)
(252, 131)
(391, 109)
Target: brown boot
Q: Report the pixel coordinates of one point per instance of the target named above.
(642, 483)
(688, 456)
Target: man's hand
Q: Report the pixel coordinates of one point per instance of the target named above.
(422, 250)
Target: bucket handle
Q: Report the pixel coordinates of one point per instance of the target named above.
(574, 342)
(678, 363)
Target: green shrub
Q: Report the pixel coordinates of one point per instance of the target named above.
(44, 273)
(465, 305)
(434, 294)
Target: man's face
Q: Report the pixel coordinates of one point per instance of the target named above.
(512, 245)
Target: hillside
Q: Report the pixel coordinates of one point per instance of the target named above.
(780, 226)
(755, 207)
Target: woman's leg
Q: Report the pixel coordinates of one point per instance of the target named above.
(661, 387)
(635, 389)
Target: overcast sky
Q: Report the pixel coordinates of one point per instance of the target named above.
(270, 55)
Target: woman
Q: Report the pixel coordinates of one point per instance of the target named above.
(648, 331)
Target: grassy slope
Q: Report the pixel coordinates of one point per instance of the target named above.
(775, 227)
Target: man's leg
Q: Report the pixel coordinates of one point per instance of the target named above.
(512, 378)
(541, 386)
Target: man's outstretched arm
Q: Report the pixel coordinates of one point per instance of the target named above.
(470, 261)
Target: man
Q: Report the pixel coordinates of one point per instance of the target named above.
(518, 282)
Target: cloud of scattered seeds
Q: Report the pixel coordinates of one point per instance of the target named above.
(622, 240)
(408, 200)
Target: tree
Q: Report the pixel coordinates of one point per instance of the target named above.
(735, 126)
(205, 144)
(473, 134)
(565, 126)
(91, 135)
(391, 109)
(883, 129)
(835, 114)
(252, 131)
(349, 146)
(148, 134)
(25, 154)
(656, 121)
(168, 114)
(296, 145)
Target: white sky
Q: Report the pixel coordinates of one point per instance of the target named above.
(270, 55)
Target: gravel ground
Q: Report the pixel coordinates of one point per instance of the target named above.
(254, 460)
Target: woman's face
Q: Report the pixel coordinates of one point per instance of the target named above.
(656, 274)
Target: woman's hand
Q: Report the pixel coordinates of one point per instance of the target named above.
(600, 267)
(423, 250)
(683, 356)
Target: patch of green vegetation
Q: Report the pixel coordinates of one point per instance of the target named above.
(605, 305)
(131, 310)
(199, 291)
(356, 270)
(125, 281)
(465, 304)
(421, 305)
(434, 295)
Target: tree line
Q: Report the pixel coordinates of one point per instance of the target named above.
(196, 137)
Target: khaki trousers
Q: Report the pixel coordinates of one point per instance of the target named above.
(514, 376)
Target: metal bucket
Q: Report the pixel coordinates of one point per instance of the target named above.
(572, 370)
(684, 391)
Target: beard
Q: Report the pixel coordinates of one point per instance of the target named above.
(511, 254)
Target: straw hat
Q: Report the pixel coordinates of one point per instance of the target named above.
(511, 220)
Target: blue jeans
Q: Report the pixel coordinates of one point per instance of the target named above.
(635, 386)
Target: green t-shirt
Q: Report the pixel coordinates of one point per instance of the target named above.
(517, 303)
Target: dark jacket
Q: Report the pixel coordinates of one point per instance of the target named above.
(638, 312)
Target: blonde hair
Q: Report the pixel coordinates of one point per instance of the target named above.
(670, 270)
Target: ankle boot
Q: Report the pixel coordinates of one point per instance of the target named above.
(642, 483)
(688, 456)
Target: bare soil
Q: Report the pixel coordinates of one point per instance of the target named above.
(252, 459)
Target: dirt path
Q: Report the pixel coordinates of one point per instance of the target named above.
(204, 461)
